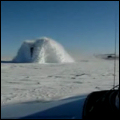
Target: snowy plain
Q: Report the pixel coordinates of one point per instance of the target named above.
(21, 82)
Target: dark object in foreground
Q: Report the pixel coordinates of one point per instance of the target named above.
(101, 105)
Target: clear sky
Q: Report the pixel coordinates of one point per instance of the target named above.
(78, 25)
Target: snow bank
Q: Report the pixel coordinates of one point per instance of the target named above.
(43, 50)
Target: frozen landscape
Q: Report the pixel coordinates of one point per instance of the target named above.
(44, 81)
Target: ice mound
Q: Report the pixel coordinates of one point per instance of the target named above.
(43, 50)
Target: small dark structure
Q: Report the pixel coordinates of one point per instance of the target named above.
(109, 56)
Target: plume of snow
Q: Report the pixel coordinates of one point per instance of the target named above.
(46, 50)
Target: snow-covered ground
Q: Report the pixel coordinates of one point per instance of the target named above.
(43, 82)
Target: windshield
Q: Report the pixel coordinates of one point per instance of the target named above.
(51, 50)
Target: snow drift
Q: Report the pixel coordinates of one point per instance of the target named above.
(43, 50)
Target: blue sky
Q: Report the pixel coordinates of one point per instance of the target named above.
(79, 26)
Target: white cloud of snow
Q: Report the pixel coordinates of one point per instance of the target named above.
(43, 50)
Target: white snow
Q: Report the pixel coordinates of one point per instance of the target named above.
(43, 82)
(44, 50)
